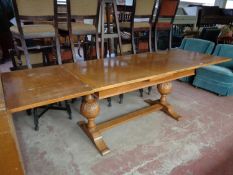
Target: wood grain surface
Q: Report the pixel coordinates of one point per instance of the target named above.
(109, 73)
(27, 89)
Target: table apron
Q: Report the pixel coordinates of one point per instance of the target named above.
(146, 83)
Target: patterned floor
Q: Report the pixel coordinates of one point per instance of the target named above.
(200, 144)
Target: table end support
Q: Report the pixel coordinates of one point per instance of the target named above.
(165, 89)
(90, 110)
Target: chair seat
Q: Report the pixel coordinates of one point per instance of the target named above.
(137, 25)
(214, 78)
(35, 31)
(79, 28)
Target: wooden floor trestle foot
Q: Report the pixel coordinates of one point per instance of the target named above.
(96, 138)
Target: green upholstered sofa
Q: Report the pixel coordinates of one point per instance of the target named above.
(196, 45)
(217, 78)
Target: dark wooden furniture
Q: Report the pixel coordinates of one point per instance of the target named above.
(164, 19)
(81, 10)
(210, 16)
(95, 80)
(110, 17)
(143, 10)
(210, 34)
(43, 14)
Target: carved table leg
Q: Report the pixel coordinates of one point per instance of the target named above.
(90, 109)
(165, 89)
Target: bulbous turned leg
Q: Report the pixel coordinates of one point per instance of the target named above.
(165, 89)
(90, 110)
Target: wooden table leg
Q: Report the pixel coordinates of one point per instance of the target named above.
(165, 89)
(90, 110)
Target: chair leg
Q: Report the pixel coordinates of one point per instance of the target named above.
(150, 38)
(109, 99)
(102, 27)
(156, 40)
(17, 52)
(26, 53)
(72, 47)
(149, 90)
(97, 45)
(117, 25)
(68, 109)
(59, 104)
(141, 92)
(133, 42)
(29, 112)
(36, 119)
(121, 96)
(170, 39)
(58, 50)
(73, 100)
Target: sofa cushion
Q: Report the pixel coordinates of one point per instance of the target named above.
(197, 45)
(218, 73)
(216, 79)
(225, 50)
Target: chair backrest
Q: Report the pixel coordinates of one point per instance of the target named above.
(225, 50)
(83, 8)
(144, 8)
(166, 9)
(34, 8)
(197, 45)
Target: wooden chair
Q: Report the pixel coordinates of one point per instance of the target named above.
(110, 29)
(164, 19)
(43, 24)
(143, 10)
(81, 9)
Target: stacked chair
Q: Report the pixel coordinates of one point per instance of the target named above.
(164, 19)
(81, 9)
(217, 78)
(44, 14)
(196, 45)
(141, 10)
(43, 24)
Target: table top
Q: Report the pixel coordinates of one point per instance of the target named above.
(109, 73)
(26, 89)
(32, 88)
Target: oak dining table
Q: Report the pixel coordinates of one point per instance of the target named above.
(95, 80)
